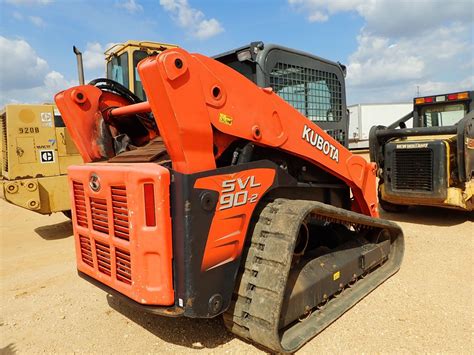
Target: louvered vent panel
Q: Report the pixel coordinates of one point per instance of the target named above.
(123, 266)
(80, 203)
(100, 221)
(120, 212)
(86, 250)
(103, 257)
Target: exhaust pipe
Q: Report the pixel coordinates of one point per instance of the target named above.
(80, 66)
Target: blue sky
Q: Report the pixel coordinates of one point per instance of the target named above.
(390, 47)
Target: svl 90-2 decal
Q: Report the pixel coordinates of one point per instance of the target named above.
(238, 192)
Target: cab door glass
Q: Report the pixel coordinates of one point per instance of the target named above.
(117, 69)
(137, 57)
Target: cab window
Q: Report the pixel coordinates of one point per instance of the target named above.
(314, 93)
(443, 115)
(137, 57)
(117, 69)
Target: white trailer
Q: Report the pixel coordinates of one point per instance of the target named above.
(363, 116)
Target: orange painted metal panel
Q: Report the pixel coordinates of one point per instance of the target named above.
(113, 243)
(239, 193)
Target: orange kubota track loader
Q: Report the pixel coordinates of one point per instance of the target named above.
(217, 196)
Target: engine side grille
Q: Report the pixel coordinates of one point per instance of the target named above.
(123, 266)
(86, 250)
(120, 212)
(413, 169)
(100, 221)
(103, 257)
(4, 146)
(80, 204)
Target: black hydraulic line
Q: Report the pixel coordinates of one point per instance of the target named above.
(120, 90)
(246, 153)
(116, 88)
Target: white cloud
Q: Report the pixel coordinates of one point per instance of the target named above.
(94, 59)
(403, 45)
(93, 56)
(208, 28)
(407, 91)
(29, 2)
(380, 71)
(21, 66)
(408, 18)
(389, 17)
(191, 19)
(26, 77)
(321, 10)
(53, 83)
(380, 61)
(37, 21)
(131, 6)
(437, 87)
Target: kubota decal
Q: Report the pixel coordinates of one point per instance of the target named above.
(320, 143)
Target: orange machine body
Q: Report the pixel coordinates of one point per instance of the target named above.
(201, 108)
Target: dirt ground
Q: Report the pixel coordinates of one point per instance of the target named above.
(45, 307)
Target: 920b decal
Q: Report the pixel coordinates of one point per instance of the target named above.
(234, 192)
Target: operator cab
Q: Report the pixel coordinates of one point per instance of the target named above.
(442, 110)
(122, 60)
(312, 85)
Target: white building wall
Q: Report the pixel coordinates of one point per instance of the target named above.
(363, 116)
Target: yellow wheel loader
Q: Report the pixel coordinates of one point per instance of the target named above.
(432, 163)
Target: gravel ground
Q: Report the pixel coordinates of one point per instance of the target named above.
(46, 307)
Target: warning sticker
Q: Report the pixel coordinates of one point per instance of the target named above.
(46, 119)
(46, 156)
(225, 119)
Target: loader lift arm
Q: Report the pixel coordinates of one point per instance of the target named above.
(193, 96)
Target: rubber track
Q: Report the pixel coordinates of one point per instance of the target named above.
(255, 311)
